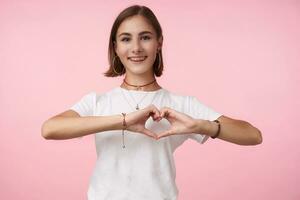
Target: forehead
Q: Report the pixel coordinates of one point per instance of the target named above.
(134, 25)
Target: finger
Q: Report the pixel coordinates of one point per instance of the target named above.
(165, 113)
(150, 133)
(155, 113)
(167, 135)
(153, 116)
(164, 134)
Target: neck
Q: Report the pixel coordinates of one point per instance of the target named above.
(140, 81)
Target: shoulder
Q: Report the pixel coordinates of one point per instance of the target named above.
(112, 93)
(92, 97)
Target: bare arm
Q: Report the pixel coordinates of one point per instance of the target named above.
(70, 124)
(232, 130)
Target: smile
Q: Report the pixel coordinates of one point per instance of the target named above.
(137, 59)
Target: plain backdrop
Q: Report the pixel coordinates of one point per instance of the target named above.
(241, 58)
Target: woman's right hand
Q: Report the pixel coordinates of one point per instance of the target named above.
(136, 120)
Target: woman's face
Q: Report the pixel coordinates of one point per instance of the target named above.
(137, 45)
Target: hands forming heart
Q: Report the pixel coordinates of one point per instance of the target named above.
(180, 122)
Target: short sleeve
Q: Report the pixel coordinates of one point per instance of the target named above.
(85, 106)
(198, 110)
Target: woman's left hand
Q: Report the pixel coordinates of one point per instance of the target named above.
(180, 123)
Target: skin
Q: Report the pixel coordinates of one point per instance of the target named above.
(138, 43)
(136, 37)
(135, 43)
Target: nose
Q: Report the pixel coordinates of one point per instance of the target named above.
(136, 46)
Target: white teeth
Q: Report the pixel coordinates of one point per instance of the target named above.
(137, 59)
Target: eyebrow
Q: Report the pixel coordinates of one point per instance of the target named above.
(141, 33)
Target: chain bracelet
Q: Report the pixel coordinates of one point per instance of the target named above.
(124, 127)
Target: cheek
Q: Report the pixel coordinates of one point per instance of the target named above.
(122, 53)
(121, 49)
(152, 50)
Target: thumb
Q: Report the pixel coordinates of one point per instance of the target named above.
(149, 133)
(164, 134)
(154, 112)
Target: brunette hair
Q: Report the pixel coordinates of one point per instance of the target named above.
(116, 65)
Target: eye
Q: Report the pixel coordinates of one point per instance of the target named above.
(125, 39)
(146, 37)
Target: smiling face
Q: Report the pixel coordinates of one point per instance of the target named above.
(137, 45)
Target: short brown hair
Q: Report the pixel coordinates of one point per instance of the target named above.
(129, 12)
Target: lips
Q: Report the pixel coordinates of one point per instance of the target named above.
(137, 58)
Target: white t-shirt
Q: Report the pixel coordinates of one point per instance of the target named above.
(145, 168)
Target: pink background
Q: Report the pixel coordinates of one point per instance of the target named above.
(239, 57)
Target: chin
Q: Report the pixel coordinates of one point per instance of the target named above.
(139, 71)
(138, 68)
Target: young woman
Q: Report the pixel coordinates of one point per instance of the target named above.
(135, 155)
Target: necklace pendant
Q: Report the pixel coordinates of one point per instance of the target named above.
(137, 107)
